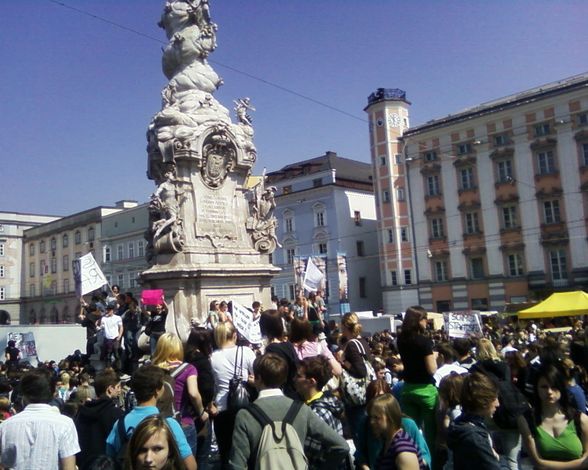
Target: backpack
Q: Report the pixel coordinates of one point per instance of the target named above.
(279, 446)
(166, 403)
(512, 402)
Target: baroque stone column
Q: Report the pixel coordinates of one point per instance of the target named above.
(211, 230)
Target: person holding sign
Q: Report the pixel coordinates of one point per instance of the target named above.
(419, 395)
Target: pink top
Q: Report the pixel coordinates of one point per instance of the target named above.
(312, 349)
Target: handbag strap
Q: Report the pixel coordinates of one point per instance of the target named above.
(236, 361)
(360, 347)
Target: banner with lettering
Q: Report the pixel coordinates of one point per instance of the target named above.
(463, 324)
(87, 275)
(246, 324)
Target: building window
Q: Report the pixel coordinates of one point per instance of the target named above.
(32, 249)
(290, 253)
(394, 278)
(546, 162)
(400, 194)
(121, 280)
(42, 248)
(584, 153)
(287, 189)
(357, 217)
(515, 264)
(404, 234)
(437, 230)
(382, 160)
(107, 254)
(472, 224)
(53, 265)
(551, 212)
(131, 250)
(91, 234)
(319, 215)
(140, 248)
(582, 119)
(2, 270)
(479, 304)
(441, 271)
(385, 196)
(42, 267)
(407, 277)
(390, 236)
(360, 248)
(65, 240)
(78, 237)
(66, 262)
(289, 225)
(2, 293)
(443, 306)
(559, 265)
(322, 248)
(542, 129)
(53, 244)
(476, 268)
(133, 280)
(32, 292)
(398, 158)
(32, 269)
(466, 177)
(509, 217)
(120, 252)
(433, 187)
(501, 139)
(317, 183)
(1, 228)
(362, 288)
(430, 156)
(465, 148)
(504, 169)
(65, 286)
(78, 255)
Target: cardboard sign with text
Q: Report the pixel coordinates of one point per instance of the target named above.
(245, 324)
(463, 324)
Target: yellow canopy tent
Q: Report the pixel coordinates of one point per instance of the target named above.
(560, 304)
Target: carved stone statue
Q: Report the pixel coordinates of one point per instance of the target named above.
(262, 223)
(208, 235)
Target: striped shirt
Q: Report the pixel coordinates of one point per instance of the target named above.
(402, 442)
(36, 438)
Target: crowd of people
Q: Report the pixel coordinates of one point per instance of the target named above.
(313, 394)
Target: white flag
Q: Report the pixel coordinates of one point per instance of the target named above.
(312, 277)
(245, 324)
(87, 274)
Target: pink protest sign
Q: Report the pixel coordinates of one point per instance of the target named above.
(151, 296)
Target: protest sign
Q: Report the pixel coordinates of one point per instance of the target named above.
(152, 296)
(87, 275)
(312, 277)
(25, 343)
(246, 324)
(463, 324)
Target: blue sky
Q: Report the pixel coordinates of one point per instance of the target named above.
(77, 93)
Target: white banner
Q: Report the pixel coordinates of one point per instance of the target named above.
(87, 274)
(312, 277)
(245, 324)
(25, 343)
(463, 324)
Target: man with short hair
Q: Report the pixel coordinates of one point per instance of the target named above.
(270, 372)
(39, 437)
(96, 418)
(113, 331)
(147, 384)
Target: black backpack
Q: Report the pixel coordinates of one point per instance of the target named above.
(512, 402)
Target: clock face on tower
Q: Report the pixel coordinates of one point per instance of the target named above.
(394, 120)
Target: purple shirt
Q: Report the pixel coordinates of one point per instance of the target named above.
(182, 401)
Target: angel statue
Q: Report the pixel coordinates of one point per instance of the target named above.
(242, 105)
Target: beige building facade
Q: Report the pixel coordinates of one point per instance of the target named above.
(497, 198)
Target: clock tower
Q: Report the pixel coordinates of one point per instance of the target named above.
(387, 110)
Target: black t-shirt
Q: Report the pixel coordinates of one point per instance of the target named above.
(413, 351)
(12, 353)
